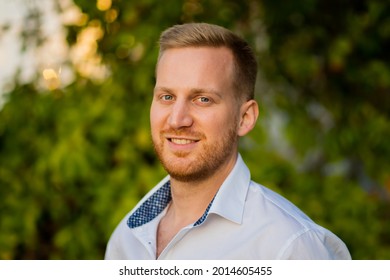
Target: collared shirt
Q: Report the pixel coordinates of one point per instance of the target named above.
(245, 220)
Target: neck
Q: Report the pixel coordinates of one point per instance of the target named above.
(190, 199)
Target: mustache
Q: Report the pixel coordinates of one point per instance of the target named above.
(189, 132)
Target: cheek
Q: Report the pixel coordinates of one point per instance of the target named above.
(219, 122)
(156, 114)
(154, 119)
(158, 120)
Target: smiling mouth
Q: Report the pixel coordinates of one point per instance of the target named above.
(180, 141)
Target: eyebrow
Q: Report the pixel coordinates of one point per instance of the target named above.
(206, 90)
(193, 91)
(165, 89)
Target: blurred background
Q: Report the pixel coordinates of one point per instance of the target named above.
(76, 80)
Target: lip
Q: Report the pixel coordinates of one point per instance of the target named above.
(181, 143)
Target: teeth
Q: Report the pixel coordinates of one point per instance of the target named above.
(181, 141)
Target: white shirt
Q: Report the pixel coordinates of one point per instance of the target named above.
(245, 220)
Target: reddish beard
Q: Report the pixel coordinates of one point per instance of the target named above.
(197, 165)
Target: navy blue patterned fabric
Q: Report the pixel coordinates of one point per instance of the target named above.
(154, 205)
(204, 216)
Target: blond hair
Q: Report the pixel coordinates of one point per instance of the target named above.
(210, 35)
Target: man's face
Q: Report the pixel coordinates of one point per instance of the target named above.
(194, 115)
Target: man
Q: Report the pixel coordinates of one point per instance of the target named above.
(208, 207)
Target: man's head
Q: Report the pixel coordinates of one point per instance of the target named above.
(209, 35)
(200, 108)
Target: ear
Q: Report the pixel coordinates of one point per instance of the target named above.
(249, 113)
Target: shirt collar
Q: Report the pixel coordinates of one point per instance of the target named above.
(230, 199)
(151, 206)
(228, 202)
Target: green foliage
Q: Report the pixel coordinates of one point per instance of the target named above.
(67, 159)
(74, 161)
(328, 58)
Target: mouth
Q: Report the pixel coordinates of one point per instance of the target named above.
(182, 141)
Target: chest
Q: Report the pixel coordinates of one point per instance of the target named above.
(166, 232)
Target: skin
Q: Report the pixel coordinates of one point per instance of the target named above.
(196, 121)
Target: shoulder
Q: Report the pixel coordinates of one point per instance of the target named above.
(114, 249)
(274, 205)
(293, 233)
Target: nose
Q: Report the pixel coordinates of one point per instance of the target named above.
(180, 115)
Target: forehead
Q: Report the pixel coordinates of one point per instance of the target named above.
(197, 65)
(204, 51)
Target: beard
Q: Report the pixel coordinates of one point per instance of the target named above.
(201, 163)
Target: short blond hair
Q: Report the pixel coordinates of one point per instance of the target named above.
(210, 35)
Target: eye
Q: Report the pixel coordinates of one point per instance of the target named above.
(166, 97)
(203, 100)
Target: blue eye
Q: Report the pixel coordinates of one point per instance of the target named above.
(204, 99)
(166, 97)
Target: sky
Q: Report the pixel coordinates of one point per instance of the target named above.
(46, 60)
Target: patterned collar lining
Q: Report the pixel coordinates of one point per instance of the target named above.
(154, 205)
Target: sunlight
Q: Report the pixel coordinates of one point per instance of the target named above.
(52, 78)
(103, 5)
